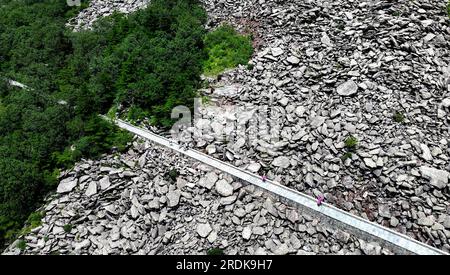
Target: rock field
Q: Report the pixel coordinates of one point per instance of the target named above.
(132, 204)
(322, 71)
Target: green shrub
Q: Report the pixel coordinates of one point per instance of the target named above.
(67, 228)
(399, 117)
(215, 251)
(21, 244)
(226, 49)
(173, 174)
(351, 143)
(347, 155)
(34, 220)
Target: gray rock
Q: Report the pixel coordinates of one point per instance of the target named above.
(446, 222)
(426, 153)
(203, 229)
(383, 211)
(254, 167)
(347, 88)
(92, 189)
(277, 51)
(282, 249)
(370, 163)
(426, 221)
(317, 121)
(282, 162)
(67, 185)
(224, 188)
(300, 111)
(247, 233)
(83, 244)
(293, 60)
(394, 222)
(173, 198)
(104, 183)
(326, 40)
(438, 178)
(154, 204)
(342, 236)
(208, 180)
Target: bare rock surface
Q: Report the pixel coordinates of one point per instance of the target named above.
(146, 212)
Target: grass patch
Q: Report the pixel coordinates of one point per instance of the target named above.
(346, 156)
(67, 228)
(173, 174)
(215, 251)
(206, 100)
(226, 49)
(21, 245)
(351, 143)
(398, 117)
(448, 9)
(33, 221)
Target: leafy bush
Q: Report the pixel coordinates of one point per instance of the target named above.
(226, 49)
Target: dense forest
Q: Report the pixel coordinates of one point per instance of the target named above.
(146, 63)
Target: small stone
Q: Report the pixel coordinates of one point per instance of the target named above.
(438, 178)
(347, 88)
(203, 229)
(276, 51)
(154, 204)
(92, 189)
(370, 163)
(282, 162)
(446, 222)
(208, 180)
(426, 221)
(173, 198)
(300, 111)
(247, 233)
(211, 149)
(224, 188)
(394, 222)
(83, 244)
(254, 167)
(104, 183)
(426, 153)
(258, 230)
(212, 237)
(342, 236)
(446, 102)
(293, 60)
(67, 185)
(383, 211)
(317, 121)
(325, 39)
(282, 249)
